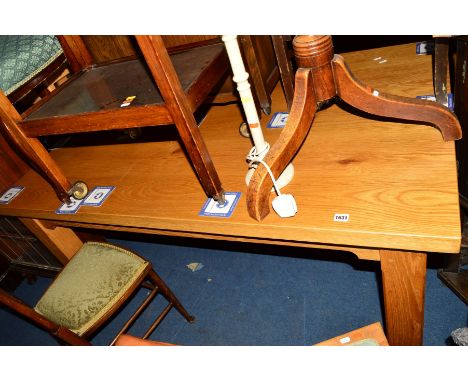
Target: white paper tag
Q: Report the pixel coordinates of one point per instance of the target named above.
(345, 340)
(341, 218)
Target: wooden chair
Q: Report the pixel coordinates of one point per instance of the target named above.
(29, 64)
(90, 289)
(166, 90)
(322, 76)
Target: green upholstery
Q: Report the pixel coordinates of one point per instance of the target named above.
(22, 57)
(90, 284)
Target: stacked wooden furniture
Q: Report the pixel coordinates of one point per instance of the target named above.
(167, 91)
(396, 181)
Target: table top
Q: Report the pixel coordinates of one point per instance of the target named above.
(397, 181)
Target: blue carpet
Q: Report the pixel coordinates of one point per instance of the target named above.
(255, 295)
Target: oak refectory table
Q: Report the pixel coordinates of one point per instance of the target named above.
(400, 194)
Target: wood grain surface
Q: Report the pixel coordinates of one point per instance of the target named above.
(397, 181)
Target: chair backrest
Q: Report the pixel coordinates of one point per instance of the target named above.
(29, 63)
(60, 332)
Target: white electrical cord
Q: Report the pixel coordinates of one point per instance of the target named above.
(284, 204)
(254, 157)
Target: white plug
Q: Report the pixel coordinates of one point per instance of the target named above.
(285, 205)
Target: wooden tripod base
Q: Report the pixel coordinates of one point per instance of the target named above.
(321, 76)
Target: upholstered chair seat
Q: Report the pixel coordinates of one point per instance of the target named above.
(23, 57)
(90, 289)
(95, 278)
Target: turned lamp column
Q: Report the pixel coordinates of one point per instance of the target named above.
(240, 77)
(316, 53)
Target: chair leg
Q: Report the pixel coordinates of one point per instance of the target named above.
(38, 157)
(158, 320)
(61, 333)
(169, 295)
(441, 66)
(285, 69)
(135, 315)
(175, 100)
(159, 286)
(259, 86)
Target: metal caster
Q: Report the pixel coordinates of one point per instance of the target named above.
(266, 110)
(78, 190)
(244, 130)
(221, 199)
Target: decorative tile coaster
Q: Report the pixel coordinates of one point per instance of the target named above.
(212, 207)
(98, 196)
(10, 194)
(425, 47)
(278, 120)
(433, 98)
(70, 208)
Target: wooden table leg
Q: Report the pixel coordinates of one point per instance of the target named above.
(62, 242)
(404, 279)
